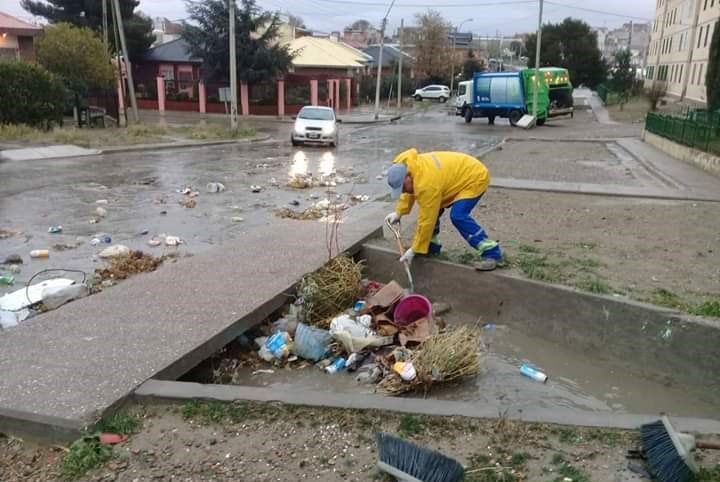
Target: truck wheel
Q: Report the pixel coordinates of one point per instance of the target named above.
(491, 120)
(540, 122)
(515, 116)
(418, 98)
(468, 114)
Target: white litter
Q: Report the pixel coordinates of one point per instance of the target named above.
(173, 241)
(102, 212)
(24, 297)
(114, 251)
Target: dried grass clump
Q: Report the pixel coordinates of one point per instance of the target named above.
(331, 289)
(444, 357)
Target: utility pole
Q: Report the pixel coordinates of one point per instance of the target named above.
(233, 68)
(105, 24)
(537, 63)
(128, 66)
(400, 70)
(379, 61)
(452, 57)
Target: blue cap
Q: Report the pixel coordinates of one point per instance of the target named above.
(396, 178)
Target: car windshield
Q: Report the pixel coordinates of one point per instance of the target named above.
(316, 114)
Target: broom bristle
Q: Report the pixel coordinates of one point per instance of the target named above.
(419, 462)
(666, 462)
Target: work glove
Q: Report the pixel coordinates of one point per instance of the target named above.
(408, 257)
(393, 218)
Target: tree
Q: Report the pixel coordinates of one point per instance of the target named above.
(138, 28)
(623, 75)
(570, 44)
(295, 21)
(76, 55)
(471, 65)
(258, 56)
(712, 77)
(432, 47)
(30, 95)
(359, 25)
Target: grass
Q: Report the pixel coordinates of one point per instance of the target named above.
(569, 435)
(111, 136)
(708, 308)
(663, 297)
(708, 475)
(634, 111)
(85, 454)
(121, 422)
(503, 468)
(538, 267)
(410, 425)
(595, 285)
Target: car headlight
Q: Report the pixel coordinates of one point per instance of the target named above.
(327, 130)
(298, 130)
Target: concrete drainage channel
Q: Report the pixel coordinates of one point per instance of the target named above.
(611, 362)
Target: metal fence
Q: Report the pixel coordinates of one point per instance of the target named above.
(698, 129)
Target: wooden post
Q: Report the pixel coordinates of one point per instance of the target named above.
(281, 98)
(330, 96)
(244, 99)
(348, 92)
(337, 94)
(161, 93)
(314, 92)
(202, 97)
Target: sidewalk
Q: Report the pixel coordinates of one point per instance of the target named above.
(63, 369)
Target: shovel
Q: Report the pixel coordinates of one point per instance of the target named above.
(396, 232)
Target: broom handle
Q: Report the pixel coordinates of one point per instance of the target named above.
(707, 445)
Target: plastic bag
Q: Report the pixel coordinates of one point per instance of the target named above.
(311, 343)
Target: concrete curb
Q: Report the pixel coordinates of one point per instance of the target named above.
(598, 190)
(158, 390)
(182, 145)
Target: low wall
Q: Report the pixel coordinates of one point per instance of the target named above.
(652, 342)
(703, 160)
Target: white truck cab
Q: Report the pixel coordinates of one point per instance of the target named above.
(464, 97)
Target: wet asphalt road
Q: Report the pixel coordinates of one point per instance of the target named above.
(141, 189)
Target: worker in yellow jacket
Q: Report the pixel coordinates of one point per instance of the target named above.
(437, 181)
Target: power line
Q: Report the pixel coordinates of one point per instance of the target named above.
(601, 12)
(429, 5)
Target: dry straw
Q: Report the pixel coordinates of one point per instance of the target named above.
(445, 357)
(331, 289)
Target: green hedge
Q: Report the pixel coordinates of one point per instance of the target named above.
(30, 95)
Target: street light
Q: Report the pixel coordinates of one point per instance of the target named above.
(452, 57)
(379, 61)
(538, 39)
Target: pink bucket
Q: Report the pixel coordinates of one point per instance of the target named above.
(412, 308)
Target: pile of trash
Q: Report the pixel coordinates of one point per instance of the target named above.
(381, 334)
(125, 265)
(24, 303)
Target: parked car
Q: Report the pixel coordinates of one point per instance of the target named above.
(315, 125)
(439, 92)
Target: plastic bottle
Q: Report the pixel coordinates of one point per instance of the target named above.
(40, 253)
(7, 279)
(532, 372)
(337, 365)
(55, 229)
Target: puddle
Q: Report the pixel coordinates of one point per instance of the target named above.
(577, 381)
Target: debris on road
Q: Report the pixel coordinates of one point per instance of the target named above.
(188, 203)
(173, 241)
(7, 280)
(154, 242)
(40, 253)
(533, 373)
(13, 259)
(14, 268)
(128, 264)
(101, 201)
(330, 290)
(64, 246)
(114, 251)
(101, 239)
(53, 298)
(102, 212)
(256, 188)
(7, 233)
(55, 229)
(237, 219)
(215, 187)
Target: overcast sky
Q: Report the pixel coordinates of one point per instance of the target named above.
(489, 17)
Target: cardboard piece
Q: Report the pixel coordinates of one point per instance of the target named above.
(418, 331)
(387, 296)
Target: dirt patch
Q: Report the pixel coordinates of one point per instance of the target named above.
(135, 262)
(264, 442)
(664, 252)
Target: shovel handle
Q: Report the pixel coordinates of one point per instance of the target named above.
(707, 445)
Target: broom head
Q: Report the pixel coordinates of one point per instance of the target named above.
(668, 451)
(409, 462)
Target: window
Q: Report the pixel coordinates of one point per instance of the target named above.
(498, 90)
(707, 31)
(701, 81)
(462, 90)
(694, 71)
(699, 37)
(483, 89)
(682, 69)
(705, 7)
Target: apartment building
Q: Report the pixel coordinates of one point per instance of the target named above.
(680, 46)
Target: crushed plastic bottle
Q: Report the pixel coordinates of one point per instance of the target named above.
(336, 366)
(7, 279)
(532, 372)
(55, 229)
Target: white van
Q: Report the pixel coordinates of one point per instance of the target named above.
(464, 97)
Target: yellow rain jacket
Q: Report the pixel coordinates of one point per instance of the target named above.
(439, 179)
